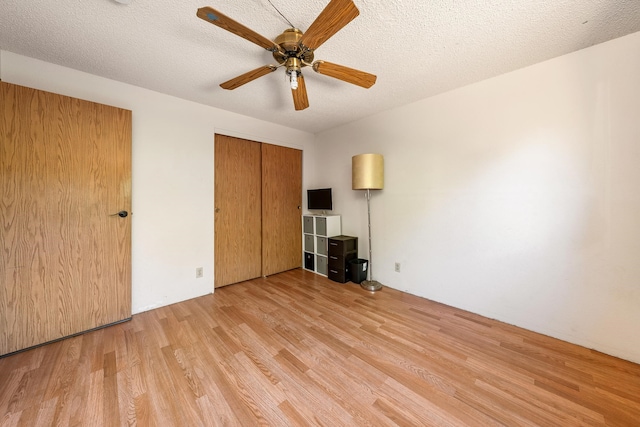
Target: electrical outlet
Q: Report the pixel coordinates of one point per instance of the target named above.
(397, 267)
(198, 272)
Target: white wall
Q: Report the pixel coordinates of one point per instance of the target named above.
(172, 173)
(517, 197)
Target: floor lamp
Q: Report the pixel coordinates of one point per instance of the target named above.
(367, 173)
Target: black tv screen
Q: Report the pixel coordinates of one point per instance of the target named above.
(319, 199)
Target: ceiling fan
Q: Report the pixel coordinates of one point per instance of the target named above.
(294, 49)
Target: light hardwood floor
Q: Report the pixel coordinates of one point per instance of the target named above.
(297, 349)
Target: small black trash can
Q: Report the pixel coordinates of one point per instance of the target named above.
(358, 268)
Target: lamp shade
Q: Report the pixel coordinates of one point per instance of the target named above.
(367, 172)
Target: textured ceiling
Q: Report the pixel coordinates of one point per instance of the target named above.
(417, 48)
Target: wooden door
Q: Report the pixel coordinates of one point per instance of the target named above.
(237, 225)
(65, 167)
(281, 209)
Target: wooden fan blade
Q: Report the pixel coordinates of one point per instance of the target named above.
(300, 100)
(346, 74)
(336, 15)
(247, 77)
(216, 18)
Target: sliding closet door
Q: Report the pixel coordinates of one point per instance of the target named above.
(281, 209)
(237, 225)
(65, 169)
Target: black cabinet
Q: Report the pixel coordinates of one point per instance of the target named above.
(342, 249)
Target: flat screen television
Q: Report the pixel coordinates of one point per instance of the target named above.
(319, 199)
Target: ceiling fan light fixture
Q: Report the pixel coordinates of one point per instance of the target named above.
(293, 65)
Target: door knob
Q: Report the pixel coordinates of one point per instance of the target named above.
(121, 214)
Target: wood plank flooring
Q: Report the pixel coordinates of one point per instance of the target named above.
(297, 349)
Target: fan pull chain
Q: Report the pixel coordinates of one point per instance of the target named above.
(285, 18)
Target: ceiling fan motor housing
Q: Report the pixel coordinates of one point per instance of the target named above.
(291, 53)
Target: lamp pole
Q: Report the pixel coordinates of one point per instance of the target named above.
(368, 196)
(370, 285)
